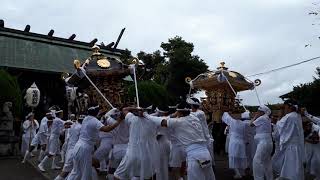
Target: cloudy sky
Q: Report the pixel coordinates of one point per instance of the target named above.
(251, 36)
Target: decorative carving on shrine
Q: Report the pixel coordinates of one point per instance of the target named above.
(106, 73)
(219, 96)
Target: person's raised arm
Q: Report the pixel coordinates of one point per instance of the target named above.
(109, 128)
(26, 124)
(253, 120)
(36, 124)
(159, 121)
(226, 118)
(312, 118)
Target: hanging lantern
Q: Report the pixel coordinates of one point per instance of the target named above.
(71, 93)
(33, 96)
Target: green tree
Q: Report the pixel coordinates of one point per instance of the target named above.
(181, 64)
(308, 94)
(170, 68)
(152, 63)
(126, 56)
(150, 93)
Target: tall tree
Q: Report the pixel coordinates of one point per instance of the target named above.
(152, 64)
(181, 64)
(308, 94)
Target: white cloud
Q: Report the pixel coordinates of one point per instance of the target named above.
(249, 35)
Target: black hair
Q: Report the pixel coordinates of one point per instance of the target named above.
(184, 105)
(80, 120)
(195, 106)
(163, 108)
(292, 104)
(93, 111)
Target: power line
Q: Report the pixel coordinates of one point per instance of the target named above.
(284, 67)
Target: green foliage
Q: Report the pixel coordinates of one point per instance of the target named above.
(150, 93)
(308, 94)
(170, 68)
(10, 91)
(126, 56)
(152, 63)
(181, 64)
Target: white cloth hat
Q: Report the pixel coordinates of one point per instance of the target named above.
(193, 101)
(245, 115)
(265, 109)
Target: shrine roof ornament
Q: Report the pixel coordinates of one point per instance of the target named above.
(214, 79)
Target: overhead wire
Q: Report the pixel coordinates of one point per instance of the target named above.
(284, 67)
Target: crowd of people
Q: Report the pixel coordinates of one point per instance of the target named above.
(165, 143)
(284, 146)
(130, 142)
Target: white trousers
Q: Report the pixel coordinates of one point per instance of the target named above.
(313, 159)
(54, 145)
(195, 154)
(262, 164)
(39, 138)
(117, 154)
(164, 148)
(102, 153)
(82, 162)
(177, 156)
(292, 166)
(68, 163)
(25, 144)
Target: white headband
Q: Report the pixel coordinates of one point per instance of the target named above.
(60, 111)
(160, 111)
(185, 109)
(191, 101)
(93, 107)
(265, 109)
(29, 115)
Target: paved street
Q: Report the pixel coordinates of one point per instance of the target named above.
(12, 169)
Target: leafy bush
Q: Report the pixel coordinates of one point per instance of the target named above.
(150, 93)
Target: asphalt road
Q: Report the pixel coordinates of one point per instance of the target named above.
(12, 169)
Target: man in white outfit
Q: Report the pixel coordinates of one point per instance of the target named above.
(312, 118)
(195, 110)
(237, 144)
(164, 145)
(102, 153)
(84, 148)
(66, 138)
(30, 125)
(54, 142)
(177, 159)
(312, 149)
(190, 134)
(262, 164)
(120, 139)
(291, 134)
(140, 160)
(250, 143)
(41, 137)
(74, 133)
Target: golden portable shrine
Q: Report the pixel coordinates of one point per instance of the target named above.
(220, 88)
(102, 86)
